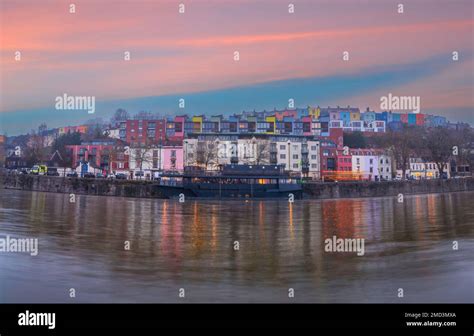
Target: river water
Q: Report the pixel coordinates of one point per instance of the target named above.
(237, 251)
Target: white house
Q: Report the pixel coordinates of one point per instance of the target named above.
(426, 170)
(373, 165)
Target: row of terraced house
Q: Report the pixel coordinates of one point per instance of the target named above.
(308, 142)
(301, 121)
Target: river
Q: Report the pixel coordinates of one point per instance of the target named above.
(111, 249)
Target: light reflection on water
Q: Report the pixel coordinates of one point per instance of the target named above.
(281, 245)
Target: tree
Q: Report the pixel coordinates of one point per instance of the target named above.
(355, 140)
(437, 146)
(262, 152)
(35, 151)
(253, 151)
(464, 141)
(60, 143)
(145, 115)
(119, 115)
(42, 129)
(401, 144)
(95, 130)
(206, 153)
(142, 154)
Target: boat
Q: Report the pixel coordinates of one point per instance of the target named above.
(232, 181)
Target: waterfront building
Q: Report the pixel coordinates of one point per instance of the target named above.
(419, 169)
(149, 162)
(139, 131)
(91, 151)
(297, 154)
(385, 167)
(328, 157)
(371, 164)
(344, 161)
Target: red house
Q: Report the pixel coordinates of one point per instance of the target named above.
(108, 155)
(344, 161)
(328, 158)
(139, 131)
(420, 119)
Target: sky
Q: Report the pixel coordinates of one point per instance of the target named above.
(190, 55)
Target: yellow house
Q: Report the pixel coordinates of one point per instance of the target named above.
(272, 121)
(197, 121)
(314, 112)
(355, 115)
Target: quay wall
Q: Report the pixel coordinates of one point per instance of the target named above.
(147, 189)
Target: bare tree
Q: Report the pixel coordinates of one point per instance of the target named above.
(119, 115)
(401, 145)
(206, 154)
(437, 145)
(262, 154)
(141, 155)
(36, 151)
(464, 142)
(145, 115)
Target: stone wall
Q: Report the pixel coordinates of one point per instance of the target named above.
(148, 189)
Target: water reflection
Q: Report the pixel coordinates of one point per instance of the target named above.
(281, 245)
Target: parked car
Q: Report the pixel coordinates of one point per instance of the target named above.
(121, 176)
(89, 175)
(52, 171)
(71, 174)
(99, 175)
(39, 170)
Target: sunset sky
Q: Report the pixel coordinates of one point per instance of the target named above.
(190, 56)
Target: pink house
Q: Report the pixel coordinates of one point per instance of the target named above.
(172, 158)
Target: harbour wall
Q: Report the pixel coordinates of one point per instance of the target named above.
(147, 189)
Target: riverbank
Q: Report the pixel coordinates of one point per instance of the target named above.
(149, 189)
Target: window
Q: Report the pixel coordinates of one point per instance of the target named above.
(371, 169)
(325, 152)
(282, 147)
(295, 165)
(314, 165)
(295, 156)
(358, 160)
(282, 156)
(371, 161)
(313, 148)
(314, 157)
